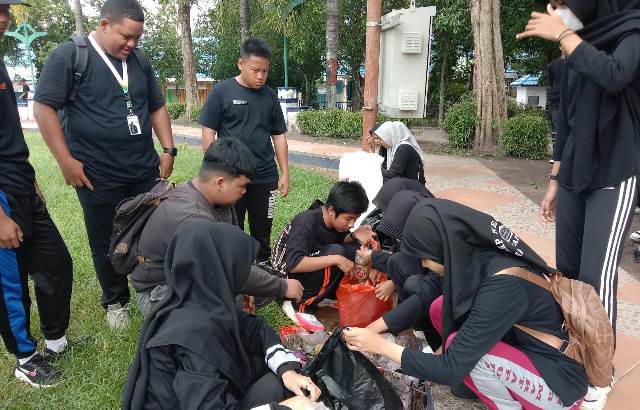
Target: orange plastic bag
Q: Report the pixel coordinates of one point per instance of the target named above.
(358, 305)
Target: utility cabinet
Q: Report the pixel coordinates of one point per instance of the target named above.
(405, 53)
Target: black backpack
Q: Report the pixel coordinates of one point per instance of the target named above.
(131, 216)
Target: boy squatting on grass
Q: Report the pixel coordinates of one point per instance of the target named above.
(316, 247)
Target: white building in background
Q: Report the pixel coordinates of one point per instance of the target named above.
(529, 91)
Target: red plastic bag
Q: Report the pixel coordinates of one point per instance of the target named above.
(358, 305)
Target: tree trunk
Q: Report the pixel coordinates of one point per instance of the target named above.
(245, 19)
(357, 97)
(444, 73)
(333, 28)
(77, 12)
(488, 81)
(188, 62)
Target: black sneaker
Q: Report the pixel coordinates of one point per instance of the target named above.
(79, 343)
(38, 372)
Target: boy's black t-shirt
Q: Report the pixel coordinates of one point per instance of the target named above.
(305, 235)
(252, 116)
(96, 127)
(16, 174)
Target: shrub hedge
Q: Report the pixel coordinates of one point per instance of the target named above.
(178, 111)
(460, 122)
(333, 123)
(525, 136)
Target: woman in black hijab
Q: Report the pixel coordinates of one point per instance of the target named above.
(503, 365)
(197, 350)
(593, 183)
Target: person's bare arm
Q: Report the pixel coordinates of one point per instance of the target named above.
(549, 26)
(208, 137)
(10, 233)
(161, 123)
(51, 130)
(315, 263)
(282, 155)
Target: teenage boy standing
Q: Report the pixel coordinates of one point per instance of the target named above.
(106, 148)
(244, 107)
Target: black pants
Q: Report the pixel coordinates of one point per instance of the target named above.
(323, 283)
(259, 202)
(268, 388)
(99, 208)
(590, 233)
(417, 288)
(43, 255)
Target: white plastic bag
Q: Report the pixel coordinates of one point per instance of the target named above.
(363, 167)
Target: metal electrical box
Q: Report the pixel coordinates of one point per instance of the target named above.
(405, 51)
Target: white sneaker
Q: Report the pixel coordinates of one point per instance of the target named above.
(635, 236)
(637, 210)
(596, 398)
(288, 309)
(118, 316)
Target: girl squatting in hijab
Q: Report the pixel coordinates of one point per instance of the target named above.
(504, 366)
(197, 350)
(403, 156)
(593, 185)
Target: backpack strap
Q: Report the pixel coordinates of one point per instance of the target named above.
(144, 61)
(557, 343)
(79, 65)
(544, 283)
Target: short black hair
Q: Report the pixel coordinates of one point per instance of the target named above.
(347, 197)
(230, 156)
(255, 47)
(118, 10)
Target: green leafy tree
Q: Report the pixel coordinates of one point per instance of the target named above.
(161, 43)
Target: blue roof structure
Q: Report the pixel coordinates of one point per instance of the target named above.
(529, 80)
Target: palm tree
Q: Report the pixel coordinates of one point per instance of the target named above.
(188, 61)
(245, 19)
(332, 39)
(77, 12)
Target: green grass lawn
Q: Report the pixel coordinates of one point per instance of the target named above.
(93, 377)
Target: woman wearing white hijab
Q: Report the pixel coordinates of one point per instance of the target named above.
(403, 154)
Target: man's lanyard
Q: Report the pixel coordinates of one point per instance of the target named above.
(123, 80)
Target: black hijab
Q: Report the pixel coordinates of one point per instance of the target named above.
(207, 265)
(397, 212)
(471, 245)
(395, 185)
(602, 121)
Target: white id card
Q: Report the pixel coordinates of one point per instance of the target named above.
(134, 125)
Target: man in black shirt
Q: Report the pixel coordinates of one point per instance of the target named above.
(554, 80)
(106, 149)
(30, 244)
(25, 92)
(245, 108)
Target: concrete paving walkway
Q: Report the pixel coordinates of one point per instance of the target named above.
(468, 181)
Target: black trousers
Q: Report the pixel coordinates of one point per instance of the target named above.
(323, 283)
(417, 288)
(44, 256)
(259, 203)
(99, 208)
(590, 232)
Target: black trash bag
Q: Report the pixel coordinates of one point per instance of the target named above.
(348, 380)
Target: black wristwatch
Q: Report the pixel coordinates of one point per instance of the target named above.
(553, 177)
(171, 151)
